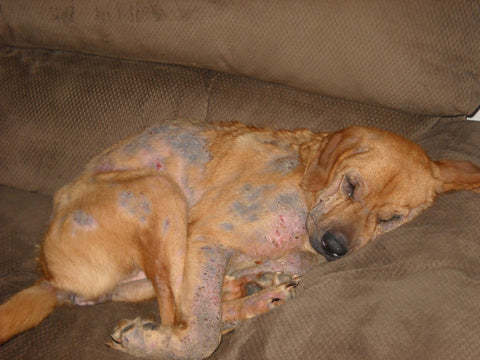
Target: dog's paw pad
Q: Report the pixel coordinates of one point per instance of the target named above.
(266, 279)
(130, 335)
(251, 288)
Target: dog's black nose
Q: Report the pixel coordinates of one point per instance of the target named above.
(331, 245)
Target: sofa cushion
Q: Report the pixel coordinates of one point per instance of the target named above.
(417, 56)
(60, 109)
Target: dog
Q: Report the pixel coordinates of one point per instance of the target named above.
(218, 222)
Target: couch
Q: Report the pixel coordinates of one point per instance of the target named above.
(76, 76)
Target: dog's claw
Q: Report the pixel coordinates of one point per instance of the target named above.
(293, 284)
(272, 279)
(297, 278)
(113, 341)
(282, 278)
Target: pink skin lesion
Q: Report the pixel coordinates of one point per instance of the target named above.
(134, 155)
(150, 160)
(287, 232)
(102, 167)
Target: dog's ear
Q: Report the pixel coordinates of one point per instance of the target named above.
(457, 175)
(320, 157)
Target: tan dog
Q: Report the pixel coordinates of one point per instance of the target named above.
(214, 219)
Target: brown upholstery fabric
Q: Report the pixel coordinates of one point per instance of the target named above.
(419, 56)
(60, 109)
(411, 294)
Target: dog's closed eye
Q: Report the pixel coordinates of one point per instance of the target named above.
(349, 185)
(391, 220)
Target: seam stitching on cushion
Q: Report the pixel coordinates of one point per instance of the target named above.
(210, 88)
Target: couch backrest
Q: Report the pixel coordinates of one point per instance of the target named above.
(59, 109)
(417, 56)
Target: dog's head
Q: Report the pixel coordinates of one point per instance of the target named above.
(369, 181)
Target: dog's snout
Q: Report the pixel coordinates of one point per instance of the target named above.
(331, 245)
(334, 244)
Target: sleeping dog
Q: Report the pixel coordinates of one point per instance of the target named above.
(218, 222)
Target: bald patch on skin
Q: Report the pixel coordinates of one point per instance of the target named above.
(84, 220)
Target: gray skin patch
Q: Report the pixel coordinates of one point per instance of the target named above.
(138, 206)
(188, 142)
(251, 203)
(166, 225)
(162, 129)
(227, 226)
(252, 193)
(246, 212)
(145, 206)
(191, 146)
(283, 165)
(137, 144)
(125, 198)
(83, 219)
(290, 201)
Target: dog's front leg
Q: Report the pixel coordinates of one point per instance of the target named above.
(294, 263)
(200, 311)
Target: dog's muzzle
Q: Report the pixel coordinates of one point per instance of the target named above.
(332, 246)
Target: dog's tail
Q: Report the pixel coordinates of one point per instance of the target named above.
(26, 309)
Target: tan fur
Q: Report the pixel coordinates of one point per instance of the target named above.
(26, 310)
(192, 213)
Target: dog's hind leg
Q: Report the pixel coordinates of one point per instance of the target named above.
(131, 291)
(134, 291)
(135, 257)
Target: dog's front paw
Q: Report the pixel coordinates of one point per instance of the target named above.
(134, 336)
(271, 280)
(279, 294)
(263, 301)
